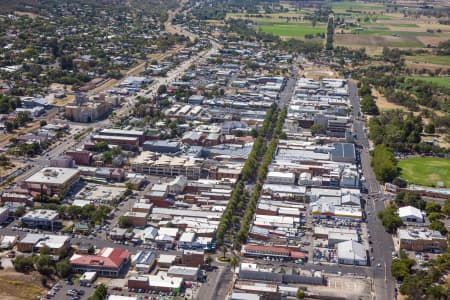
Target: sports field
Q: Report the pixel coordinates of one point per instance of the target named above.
(441, 81)
(426, 171)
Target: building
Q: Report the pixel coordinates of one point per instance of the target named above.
(144, 261)
(280, 178)
(343, 152)
(424, 240)
(136, 219)
(88, 278)
(162, 146)
(193, 258)
(351, 253)
(33, 242)
(138, 134)
(125, 142)
(108, 262)
(411, 214)
(163, 165)
(4, 214)
(81, 157)
(187, 273)
(88, 112)
(41, 218)
(166, 260)
(164, 283)
(53, 180)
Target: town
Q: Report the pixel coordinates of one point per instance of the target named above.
(182, 159)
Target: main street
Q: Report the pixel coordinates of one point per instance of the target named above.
(382, 242)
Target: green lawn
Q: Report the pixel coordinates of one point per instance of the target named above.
(344, 5)
(442, 81)
(293, 30)
(431, 59)
(426, 171)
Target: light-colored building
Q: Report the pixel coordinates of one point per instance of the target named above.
(280, 177)
(411, 214)
(53, 180)
(88, 112)
(351, 253)
(421, 240)
(41, 218)
(163, 165)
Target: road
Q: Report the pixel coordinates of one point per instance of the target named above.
(382, 241)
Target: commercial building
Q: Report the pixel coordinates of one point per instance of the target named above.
(187, 273)
(53, 180)
(41, 218)
(162, 146)
(108, 262)
(137, 219)
(163, 165)
(421, 240)
(88, 112)
(144, 261)
(351, 253)
(280, 177)
(4, 214)
(411, 214)
(33, 242)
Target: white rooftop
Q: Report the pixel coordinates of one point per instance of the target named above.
(53, 175)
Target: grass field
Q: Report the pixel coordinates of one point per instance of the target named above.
(344, 5)
(426, 171)
(442, 81)
(430, 59)
(293, 30)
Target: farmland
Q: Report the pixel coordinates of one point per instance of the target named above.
(442, 81)
(425, 171)
(430, 59)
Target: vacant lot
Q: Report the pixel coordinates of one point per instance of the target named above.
(15, 285)
(426, 171)
(442, 81)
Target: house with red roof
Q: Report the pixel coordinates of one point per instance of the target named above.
(108, 262)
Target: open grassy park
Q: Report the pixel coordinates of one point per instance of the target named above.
(426, 171)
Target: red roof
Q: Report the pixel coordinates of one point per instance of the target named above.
(295, 254)
(107, 257)
(266, 248)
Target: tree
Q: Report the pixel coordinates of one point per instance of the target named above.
(23, 263)
(431, 207)
(234, 262)
(99, 293)
(330, 34)
(124, 222)
(317, 129)
(300, 294)
(63, 268)
(162, 89)
(390, 219)
(438, 226)
(20, 211)
(101, 146)
(45, 250)
(208, 259)
(399, 269)
(43, 123)
(224, 250)
(383, 163)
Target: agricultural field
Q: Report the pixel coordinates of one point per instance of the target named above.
(441, 81)
(376, 25)
(426, 171)
(430, 59)
(295, 30)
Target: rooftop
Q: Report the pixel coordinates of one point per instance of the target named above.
(53, 175)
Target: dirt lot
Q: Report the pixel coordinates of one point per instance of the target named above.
(14, 286)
